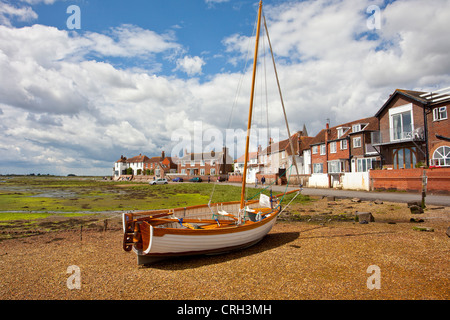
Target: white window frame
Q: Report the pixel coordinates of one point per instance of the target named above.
(440, 113)
(323, 149)
(357, 145)
(336, 166)
(315, 149)
(356, 127)
(441, 156)
(401, 109)
(344, 144)
(317, 167)
(364, 163)
(333, 147)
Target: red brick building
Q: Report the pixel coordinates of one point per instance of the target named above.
(345, 148)
(414, 130)
(204, 164)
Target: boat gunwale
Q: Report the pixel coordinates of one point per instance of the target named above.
(248, 225)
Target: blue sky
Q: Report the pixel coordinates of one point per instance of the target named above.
(197, 25)
(144, 76)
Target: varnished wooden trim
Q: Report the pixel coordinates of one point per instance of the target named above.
(249, 225)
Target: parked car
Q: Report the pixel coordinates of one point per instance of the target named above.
(159, 181)
(196, 179)
(178, 179)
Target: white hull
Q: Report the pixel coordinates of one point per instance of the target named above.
(171, 245)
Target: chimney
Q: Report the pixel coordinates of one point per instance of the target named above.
(270, 141)
(163, 155)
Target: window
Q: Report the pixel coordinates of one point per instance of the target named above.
(401, 122)
(202, 163)
(323, 149)
(314, 150)
(212, 171)
(192, 163)
(401, 125)
(356, 127)
(440, 113)
(318, 168)
(404, 158)
(357, 142)
(333, 147)
(336, 166)
(441, 157)
(183, 171)
(365, 164)
(283, 154)
(202, 172)
(343, 144)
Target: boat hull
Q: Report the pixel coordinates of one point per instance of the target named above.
(184, 242)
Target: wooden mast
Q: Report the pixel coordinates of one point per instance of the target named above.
(255, 61)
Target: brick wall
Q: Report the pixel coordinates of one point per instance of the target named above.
(440, 127)
(411, 180)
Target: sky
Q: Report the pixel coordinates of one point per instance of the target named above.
(83, 82)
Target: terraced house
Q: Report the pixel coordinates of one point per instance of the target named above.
(203, 164)
(343, 148)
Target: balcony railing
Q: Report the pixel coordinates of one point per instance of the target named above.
(394, 135)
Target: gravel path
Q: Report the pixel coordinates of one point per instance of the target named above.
(297, 260)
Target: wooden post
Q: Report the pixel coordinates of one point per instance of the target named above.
(424, 187)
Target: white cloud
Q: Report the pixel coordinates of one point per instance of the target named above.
(64, 107)
(9, 12)
(190, 65)
(129, 41)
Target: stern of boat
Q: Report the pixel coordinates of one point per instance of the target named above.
(132, 236)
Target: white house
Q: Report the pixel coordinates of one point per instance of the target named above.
(135, 163)
(252, 166)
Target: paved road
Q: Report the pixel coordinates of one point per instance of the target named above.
(439, 200)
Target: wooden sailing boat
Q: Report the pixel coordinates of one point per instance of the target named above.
(204, 229)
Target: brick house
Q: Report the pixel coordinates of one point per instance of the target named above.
(277, 158)
(208, 163)
(414, 129)
(143, 167)
(122, 165)
(344, 148)
(159, 167)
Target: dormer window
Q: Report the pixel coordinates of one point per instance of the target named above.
(341, 131)
(356, 127)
